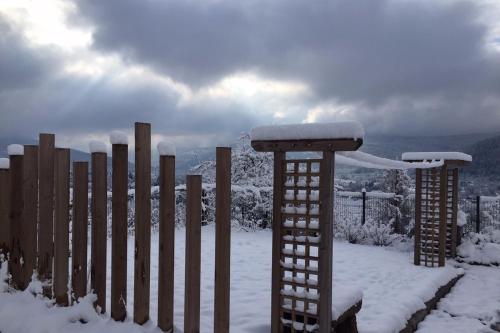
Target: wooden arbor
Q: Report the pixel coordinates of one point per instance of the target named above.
(436, 206)
(301, 294)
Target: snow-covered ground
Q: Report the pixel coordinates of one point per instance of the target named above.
(393, 289)
(471, 306)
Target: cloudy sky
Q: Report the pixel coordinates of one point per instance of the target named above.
(203, 71)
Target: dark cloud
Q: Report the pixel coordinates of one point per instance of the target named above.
(20, 65)
(350, 50)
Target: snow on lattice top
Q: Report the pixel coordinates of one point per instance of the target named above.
(426, 156)
(97, 147)
(4, 163)
(15, 150)
(166, 148)
(118, 138)
(338, 130)
(365, 160)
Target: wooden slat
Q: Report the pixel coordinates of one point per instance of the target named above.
(166, 244)
(99, 211)
(80, 229)
(46, 155)
(193, 255)
(222, 240)
(326, 242)
(16, 218)
(61, 226)
(30, 214)
(279, 158)
(418, 216)
(119, 232)
(142, 221)
(307, 145)
(4, 210)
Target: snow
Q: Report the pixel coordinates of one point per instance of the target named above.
(365, 160)
(427, 156)
(471, 306)
(15, 150)
(118, 138)
(166, 148)
(4, 163)
(97, 147)
(338, 130)
(479, 251)
(392, 288)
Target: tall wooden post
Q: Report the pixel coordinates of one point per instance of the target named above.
(99, 231)
(326, 242)
(16, 215)
(61, 224)
(46, 155)
(193, 255)
(30, 213)
(166, 244)
(222, 240)
(119, 232)
(279, 160)
(80, 229)
(4, 206)
(142, 221)
(418, 217)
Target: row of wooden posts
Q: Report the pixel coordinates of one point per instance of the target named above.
(35, 218)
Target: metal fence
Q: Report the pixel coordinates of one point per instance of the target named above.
(481, 213)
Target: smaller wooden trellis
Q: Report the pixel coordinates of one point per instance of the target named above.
(436, 207)
(301, 296)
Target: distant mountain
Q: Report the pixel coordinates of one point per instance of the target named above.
(486, 158)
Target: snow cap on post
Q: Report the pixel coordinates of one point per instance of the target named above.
(97, 147)
(15, 150)
(430, 156)
(4, 163)
(118, 138)
(166, 148)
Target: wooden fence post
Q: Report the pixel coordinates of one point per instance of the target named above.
(30, 214)
(193, 255)
(142, 221)
(16, 212)
(61, 224)
(222, 240)
(46, 155)
(119, 228)
(80, 229)
(478, 214)
(99, 233)
(4, 205)
(166, 243)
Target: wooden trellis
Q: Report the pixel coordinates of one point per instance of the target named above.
(301, 299)
(436, 212)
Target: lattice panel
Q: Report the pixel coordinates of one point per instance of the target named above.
(430, 219)
(300, 239)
